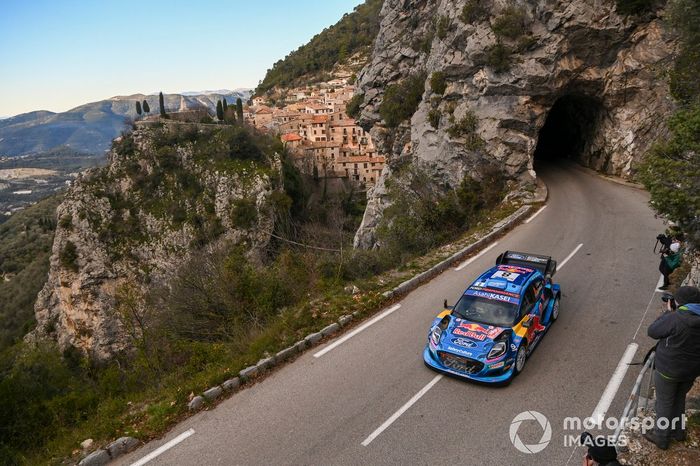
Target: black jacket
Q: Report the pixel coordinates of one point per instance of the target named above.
(678, 350)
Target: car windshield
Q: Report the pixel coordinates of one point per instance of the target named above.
(486, 311)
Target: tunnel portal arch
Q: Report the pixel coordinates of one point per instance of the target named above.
(569, 130)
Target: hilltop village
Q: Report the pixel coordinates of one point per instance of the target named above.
(313, 124)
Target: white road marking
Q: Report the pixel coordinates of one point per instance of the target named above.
(163, 448)
(532, 217)
(660, 283)
(646, 311)
(472, 259)
(559, 266)
(342, 340)
(401, 410)
(614, 384)
(571, 455)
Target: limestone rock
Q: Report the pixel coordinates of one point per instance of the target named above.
(196, 403)
(120, 240)
(569, 49)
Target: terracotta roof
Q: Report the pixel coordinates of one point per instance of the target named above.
(319, 119)
(263, 110)
(291, 137)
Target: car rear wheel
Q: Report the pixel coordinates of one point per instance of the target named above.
(555, 309)
(520, 358)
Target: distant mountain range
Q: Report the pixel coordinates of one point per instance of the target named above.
(91, 127)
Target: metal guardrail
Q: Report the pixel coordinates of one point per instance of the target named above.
(632, 404)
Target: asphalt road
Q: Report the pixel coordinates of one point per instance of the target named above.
(321, 410)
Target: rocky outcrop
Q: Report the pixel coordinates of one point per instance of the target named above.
(508, 64)
(131, 225)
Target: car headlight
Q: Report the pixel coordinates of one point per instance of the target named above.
(498, 350)
(435, 336)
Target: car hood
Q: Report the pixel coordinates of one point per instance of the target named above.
(468, 338)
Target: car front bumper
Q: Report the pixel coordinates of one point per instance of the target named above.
(485, 375)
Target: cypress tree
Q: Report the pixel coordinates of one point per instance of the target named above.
(138, 108)
(145, 106)
(219, 111)
(239, 110)
(225, 105)
(162, 104)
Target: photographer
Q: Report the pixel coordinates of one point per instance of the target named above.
(671, 256)
(600, 452)
(677, 362)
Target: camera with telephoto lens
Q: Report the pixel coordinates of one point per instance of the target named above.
(666, 297)
(665, 241)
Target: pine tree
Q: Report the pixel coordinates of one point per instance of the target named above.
(162, 104)
(138, 108)
(145, 106)
(219, 111)
(239, 110)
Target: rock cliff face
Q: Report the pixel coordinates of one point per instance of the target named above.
(508, 66)
(165, 194)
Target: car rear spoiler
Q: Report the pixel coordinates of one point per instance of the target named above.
(544, 264)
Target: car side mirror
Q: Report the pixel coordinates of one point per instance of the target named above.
(527, 323)
(446, 306)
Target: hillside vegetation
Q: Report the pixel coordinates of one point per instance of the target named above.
(25, 246)
(354, 33)
(671, 170)
(222, 310)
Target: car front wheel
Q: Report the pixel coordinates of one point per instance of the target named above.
(520, 358)
(555, 309)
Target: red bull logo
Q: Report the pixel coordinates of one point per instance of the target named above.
(473, 327)
(476, 331)
(470, 334)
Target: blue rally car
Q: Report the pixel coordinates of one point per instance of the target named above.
(498, 321)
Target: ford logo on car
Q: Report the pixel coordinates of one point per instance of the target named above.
(464, 342)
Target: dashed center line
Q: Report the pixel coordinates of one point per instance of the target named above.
(472, 259)
(163, 448)
(342, 340)
(401, 410)
(559, 266)
(532, 217)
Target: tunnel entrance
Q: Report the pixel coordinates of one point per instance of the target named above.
(569, 129)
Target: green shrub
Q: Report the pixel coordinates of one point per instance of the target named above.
(401, 100)
(434, 117)
(474, 10)
(353, 106)
(499, 57)
(438, 83)
(244, 213)
(442, 26)
(466, 128)
(684, 16)
(634, 7)
(68, 256)
(66, 222)
(671, 171)
(511, 23)
(42, 393)
(422, 216)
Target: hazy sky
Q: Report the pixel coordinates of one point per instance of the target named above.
(58, 54)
